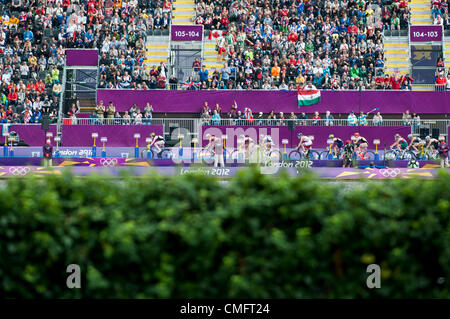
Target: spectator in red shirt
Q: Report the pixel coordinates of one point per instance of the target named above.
(441, 83)
(316, 118)
(40, 86)
(292, 37)
(396, 82)
(12, 97)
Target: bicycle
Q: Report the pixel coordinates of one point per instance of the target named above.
(363, 155)
(164, 153)
(207, 155)
(338, 155)
(431, 154)
(396, 154)
(297, 155)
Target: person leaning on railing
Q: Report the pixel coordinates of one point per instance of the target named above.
(94, 119)
(377, 119)
(440, 82)
(352, 120)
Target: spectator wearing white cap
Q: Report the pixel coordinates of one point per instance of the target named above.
(260, 119)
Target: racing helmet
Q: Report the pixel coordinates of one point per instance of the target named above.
(427, 137)
(356, 134)
(299, 135)
(331, 136)
(152, 134)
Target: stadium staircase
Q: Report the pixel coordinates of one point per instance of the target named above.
(184, 12)
(396, 55)
(157, 50)
(420, 12)
(210, 56)
(446, 49)
(87, 105)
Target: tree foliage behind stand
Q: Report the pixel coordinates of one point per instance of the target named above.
(190, 236)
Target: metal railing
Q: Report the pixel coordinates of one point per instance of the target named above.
(192, 124)
(434, 87)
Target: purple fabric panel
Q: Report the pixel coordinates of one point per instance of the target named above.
(82, 57)
(33, 135)
(384, 133)
(389, 102)
(118, 135)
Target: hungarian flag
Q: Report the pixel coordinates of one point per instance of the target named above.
(308, 97)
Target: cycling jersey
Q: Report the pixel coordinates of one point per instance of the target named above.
(159, 138)
(307, 141)
(361, 141)
(338, 143)
(403, 143)
(435, 144)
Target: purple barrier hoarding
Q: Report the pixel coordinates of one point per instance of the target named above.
(118, 135)
(425, 33)
(389, 102)
(33, 135)
(186, 32)
(227, 172)
(81, 57)
(384, 133)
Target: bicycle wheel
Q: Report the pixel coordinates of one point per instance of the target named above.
(313, 155)
(370, 155)
(275, 155)
(166, 154)
(432, 155)
(207, 156)
(295, 155)
(324, 155)
(408, 155)
(236, 155)
(390, 155)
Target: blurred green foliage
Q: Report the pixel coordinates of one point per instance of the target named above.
(192, 237)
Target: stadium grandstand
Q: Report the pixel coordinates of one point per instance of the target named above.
(76, 66)
(224, 149)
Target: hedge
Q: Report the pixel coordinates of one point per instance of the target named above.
(193, 237)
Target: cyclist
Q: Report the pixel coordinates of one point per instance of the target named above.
(212, 139)
(415, 143)
(268, 143)
(432, 143)
(400, 143)
(348, 150)
(337, 144)
(305, 143)
(248, 145)
(157, 142)
(360, 142)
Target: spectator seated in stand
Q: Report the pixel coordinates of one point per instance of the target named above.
(331, 44)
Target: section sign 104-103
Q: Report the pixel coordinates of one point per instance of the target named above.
(425, 33)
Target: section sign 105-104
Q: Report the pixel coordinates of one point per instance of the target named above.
(186, 32)
(425, 33)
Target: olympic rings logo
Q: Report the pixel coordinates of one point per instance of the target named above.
(109, 162)
(19, 171)
(389, 172)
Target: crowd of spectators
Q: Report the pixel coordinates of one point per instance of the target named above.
(439, 12)
(35, 34)
(215, 116)
(107, 114)
(283, 44)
